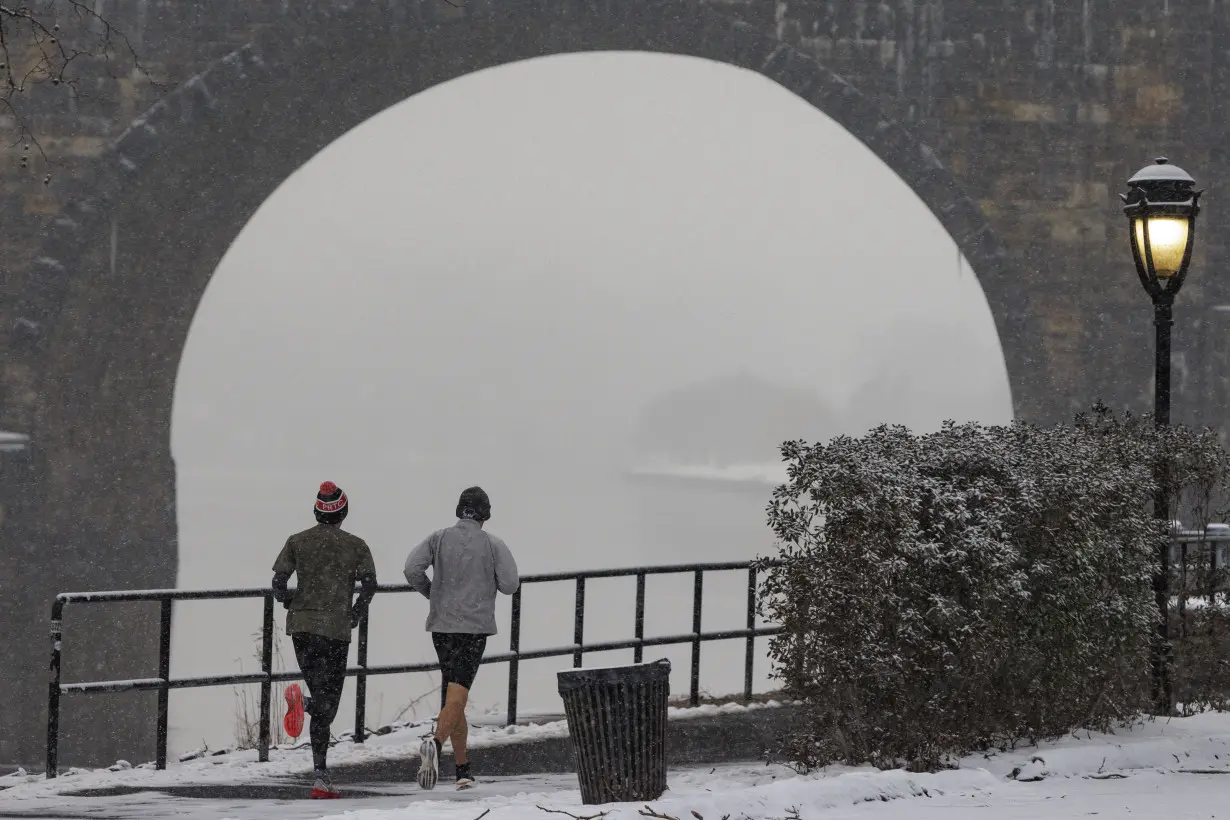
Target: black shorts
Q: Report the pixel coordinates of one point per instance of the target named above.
(460, 654)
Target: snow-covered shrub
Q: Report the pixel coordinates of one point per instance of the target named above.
(972, 587)
(1201, 638)
(1198, 465)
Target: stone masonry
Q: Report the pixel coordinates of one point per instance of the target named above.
(1015, 121)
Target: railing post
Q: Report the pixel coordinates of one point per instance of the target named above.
(697, 592)
(164, 674)
(514, 646)
(638, 653)
(578, 631)
(267, 683)
(360, 686)
(53, 689)
(751, 639)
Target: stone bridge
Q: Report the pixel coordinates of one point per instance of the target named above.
(1015, 121)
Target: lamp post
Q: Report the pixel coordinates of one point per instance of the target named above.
(1161, 206)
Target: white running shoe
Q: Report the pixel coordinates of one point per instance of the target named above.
(323, 789)
(429, 764)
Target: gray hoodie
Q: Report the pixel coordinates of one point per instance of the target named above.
(468, 566)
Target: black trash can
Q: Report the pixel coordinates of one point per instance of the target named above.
(617, 719)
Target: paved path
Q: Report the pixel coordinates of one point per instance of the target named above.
(268, 799)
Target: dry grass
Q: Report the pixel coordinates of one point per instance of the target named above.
(248, 705)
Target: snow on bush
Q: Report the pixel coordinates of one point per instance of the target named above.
(1201, 638)
(974, 587)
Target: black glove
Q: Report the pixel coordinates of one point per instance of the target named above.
(365, 597)
(280, 592)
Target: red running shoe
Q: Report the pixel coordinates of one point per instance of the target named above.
(324, 789)
(293, 722)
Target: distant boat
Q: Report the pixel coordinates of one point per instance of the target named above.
(731, 477)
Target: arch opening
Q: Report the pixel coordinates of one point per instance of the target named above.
(539, 277)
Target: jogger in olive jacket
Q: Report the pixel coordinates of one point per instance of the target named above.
(320, 617)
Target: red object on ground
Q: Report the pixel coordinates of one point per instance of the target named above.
(293, 722)
(329, 793)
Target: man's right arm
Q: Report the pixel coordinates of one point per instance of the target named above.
(420, 558)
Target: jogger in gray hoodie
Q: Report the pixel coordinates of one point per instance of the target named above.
(468, 567)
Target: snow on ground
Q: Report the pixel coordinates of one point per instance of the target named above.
(1163, 768)
(1174, 768)
(1151, 795)
(295, 759)
(750, 791)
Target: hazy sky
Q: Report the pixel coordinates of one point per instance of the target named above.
(565, 237)
(489, 281)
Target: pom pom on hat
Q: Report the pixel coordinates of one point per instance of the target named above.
(330, 499)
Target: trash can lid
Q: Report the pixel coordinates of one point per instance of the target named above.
(571, 679)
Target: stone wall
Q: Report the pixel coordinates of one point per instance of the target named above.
(1016, 122)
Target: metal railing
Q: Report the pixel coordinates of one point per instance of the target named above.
(163, 683)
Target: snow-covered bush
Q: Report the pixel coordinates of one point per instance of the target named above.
(972, 587)
(1199, 467)
(1201, 638)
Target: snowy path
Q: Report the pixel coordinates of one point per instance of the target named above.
(280, 800)
(1144, 794)
(1173, 769)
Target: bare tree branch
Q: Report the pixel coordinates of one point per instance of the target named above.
(648, 812)
(435, 690)
(574, 816)
(44, 46)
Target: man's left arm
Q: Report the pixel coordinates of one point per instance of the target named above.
(367, 579)
(283, 567)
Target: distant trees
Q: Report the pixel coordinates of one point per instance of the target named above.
(736, 419)
(977, 586)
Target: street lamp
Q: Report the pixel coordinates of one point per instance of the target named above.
(1161, 206)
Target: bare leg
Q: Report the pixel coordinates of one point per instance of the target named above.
(453, 715)
(461, 733)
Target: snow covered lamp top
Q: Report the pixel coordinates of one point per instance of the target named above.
(1161, 206)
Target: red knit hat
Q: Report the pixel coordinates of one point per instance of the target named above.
(330, 500)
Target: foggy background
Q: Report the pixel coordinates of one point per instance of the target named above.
(548, 279)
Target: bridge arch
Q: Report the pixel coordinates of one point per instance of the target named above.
(134, 253)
